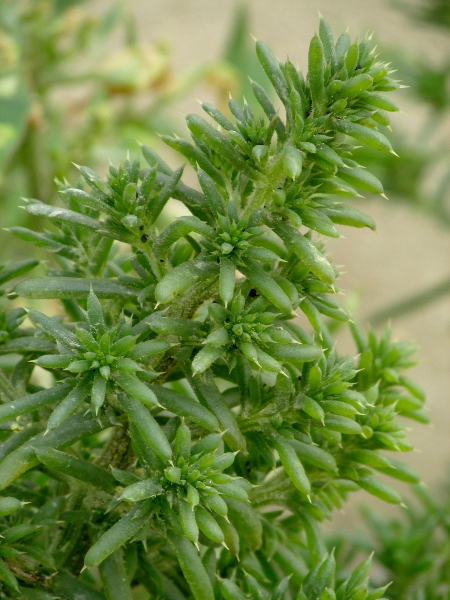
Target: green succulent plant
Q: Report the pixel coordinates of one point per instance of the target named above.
(194, 435)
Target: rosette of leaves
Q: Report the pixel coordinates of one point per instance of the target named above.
(96, 362)
(250, 330)
(330, 427)
(188, 496)
(381, 381)
(99, 356)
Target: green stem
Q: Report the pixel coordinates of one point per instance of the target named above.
(66, 539)
(191, 301)
(100, 256)
(117, 450)
(263, 191)
(258, 421)
(156, 266)
(7, 391)
(277, 491)
(32, 158)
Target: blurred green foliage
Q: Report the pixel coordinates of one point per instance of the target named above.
(432, 12)
(412, 551)
(77, 86)
(63, 94)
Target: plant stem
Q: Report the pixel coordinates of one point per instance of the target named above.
(263, 191)
(195, 297)
(117, 451)
(7, 391)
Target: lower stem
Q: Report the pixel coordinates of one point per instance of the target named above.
(7, 391)
(117, 452)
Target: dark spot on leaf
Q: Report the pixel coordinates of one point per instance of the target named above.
(144, 238)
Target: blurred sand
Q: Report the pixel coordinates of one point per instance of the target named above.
(408, 252)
